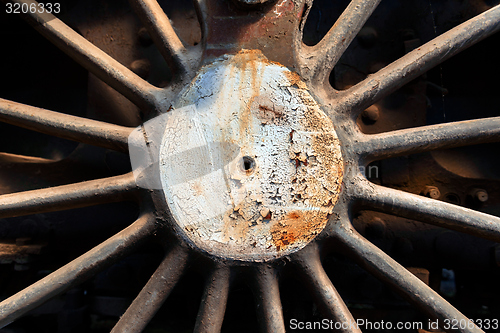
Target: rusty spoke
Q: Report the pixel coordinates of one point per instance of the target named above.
(65, 126)
(154, 293)
(417, 62)
(77, 270)
(202, 12)
(93, 192)
(267, 296)
(327, 297)
(158, 25)
(427, 210)
(214, 301)
(426, 138)
(319, 60)
(389, 271)
(93, 59)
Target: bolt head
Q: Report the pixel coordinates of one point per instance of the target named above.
(432, 192)
(481, 195)
(370, 115)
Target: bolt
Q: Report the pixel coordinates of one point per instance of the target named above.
(141, 67)
(367, 37)
(432, 192)
(370, 115)
(479, 195)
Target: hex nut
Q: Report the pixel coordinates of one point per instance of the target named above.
(432, 192)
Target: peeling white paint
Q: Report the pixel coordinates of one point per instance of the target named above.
(244, 105)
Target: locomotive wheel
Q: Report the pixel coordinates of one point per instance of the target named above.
(339, 146)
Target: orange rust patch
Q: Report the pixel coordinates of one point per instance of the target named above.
(264, 111)
(275, 63)
(295, 80)
(293, 77)
(297, 227)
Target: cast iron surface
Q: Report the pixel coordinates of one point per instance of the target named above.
(276, 29)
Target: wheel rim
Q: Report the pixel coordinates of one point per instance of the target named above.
(314, 65)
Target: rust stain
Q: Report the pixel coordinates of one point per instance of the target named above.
(266, 110)
(285, 200)
(295, 80)
(297, 227)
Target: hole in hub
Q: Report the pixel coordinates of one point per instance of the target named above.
(248, 164)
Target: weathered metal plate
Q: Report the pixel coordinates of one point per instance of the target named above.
(250, 166)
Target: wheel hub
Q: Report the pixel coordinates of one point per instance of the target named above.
(250, 166)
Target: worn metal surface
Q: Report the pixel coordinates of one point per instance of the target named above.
(214, 301)
(407, 284)
(68, 196)
(76, 271)
(327, 297)
(154, 293)
(65, 126)
(267, 298)
(239, 107)
(416, 63)
(270, 29)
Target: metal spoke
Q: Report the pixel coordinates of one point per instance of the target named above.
(93, 59)
(214, 301)
(327, 297)
(319, 60)
(65, 126)
(163, 34)
(427, 210)
(388, 270)
(93, 192)
(154, 293)
(417, 62)
(426, 138)
(267, 296)
(201, 11)
(77, 271)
